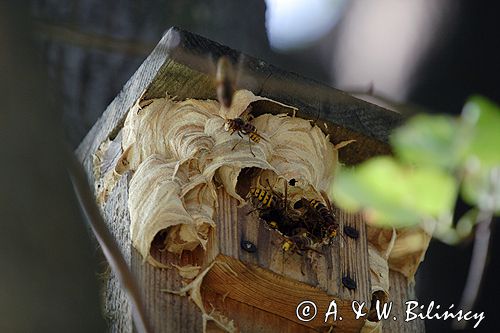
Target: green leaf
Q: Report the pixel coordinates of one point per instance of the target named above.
(481, 119)
(481, 188)
(429, 140)
(446, 235)
(395, 195)
(466, 223)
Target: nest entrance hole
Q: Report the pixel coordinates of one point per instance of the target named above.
(278, 211)
(159, 252)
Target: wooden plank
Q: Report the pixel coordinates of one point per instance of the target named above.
(314, 100)
(249, 318)
(353, 258)
(345, 117)
(168, 312)
(269, 292)
(344, 258)
(116, 304)
(181, 65)
(401, 291)
(325, 270)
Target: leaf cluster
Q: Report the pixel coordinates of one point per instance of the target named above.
(436, 159)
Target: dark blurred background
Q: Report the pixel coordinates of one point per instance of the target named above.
(432, 54)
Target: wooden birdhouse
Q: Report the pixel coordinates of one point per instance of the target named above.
(231, 228)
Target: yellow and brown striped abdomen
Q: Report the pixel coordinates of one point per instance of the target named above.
(264, 197)
(324, 212)
(254, 137)
(316, 204)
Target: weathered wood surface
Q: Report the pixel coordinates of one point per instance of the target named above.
(286, 271)
(263, 291)
(401, 291)
(116, 306)
(182, 65)
(176, 67)
(167, 312)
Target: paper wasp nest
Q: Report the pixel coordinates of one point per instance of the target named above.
(180, 154)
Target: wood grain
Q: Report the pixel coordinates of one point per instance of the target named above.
(321, 272)
(269, 292)
(116, 305)
(401, 291)
(168, 312)
(324, 269)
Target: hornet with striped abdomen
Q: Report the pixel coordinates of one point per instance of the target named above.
(225, 82)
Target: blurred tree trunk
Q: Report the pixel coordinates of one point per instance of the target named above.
(48, 281)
